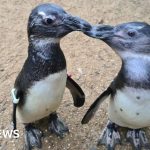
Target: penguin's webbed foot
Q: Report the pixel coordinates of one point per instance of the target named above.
(110, 136)
(56, 126)
(138, 139)
(32, 137)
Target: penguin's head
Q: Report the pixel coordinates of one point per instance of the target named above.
(51, 21)
(126, 39)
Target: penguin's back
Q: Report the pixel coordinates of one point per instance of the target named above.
(130, 107)
(43, 97)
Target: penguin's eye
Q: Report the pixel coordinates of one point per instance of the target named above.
(48, 21)
(131, 33)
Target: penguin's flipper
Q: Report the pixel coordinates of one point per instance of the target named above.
(76, 92)
(14, 117)
(16, 98)
(93, 108)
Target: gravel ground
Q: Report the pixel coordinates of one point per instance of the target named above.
(91, 62)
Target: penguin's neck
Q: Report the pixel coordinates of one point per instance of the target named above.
(136, 70)
(46, 55)
(44, 48)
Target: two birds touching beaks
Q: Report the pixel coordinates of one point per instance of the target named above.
(40, 85)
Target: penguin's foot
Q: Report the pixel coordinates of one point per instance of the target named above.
(32, 137)
(138, 139)
(110, 136)
(56, 126)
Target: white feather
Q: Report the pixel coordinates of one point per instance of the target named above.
(130, 108)
(43, 98)
(42, 13)
(136, 65)
(44, 41)
(130, 54)
(137, 69)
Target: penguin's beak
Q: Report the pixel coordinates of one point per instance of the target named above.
(76, 23)
(102, 32)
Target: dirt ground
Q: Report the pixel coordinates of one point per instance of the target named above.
(91, 62)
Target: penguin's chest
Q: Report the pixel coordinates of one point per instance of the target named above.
(130, 107)
(43, 98)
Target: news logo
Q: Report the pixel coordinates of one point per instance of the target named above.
(9, 134)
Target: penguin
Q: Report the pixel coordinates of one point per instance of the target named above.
(129, 92)
(40, 85)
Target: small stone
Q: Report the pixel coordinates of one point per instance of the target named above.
(121, 109)
(1, 69)
(101, 21)
(80, 70)
(46, 141)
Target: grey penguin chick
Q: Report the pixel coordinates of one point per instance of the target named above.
(129, 105)
(41, 83)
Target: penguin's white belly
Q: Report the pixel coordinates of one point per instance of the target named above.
(43, 98)
(130, 108)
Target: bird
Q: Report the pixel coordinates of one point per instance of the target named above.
(129, 92)
(40, 85)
